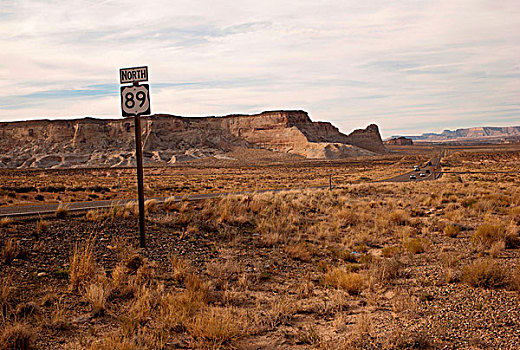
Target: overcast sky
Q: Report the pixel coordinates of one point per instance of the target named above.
(408, 66)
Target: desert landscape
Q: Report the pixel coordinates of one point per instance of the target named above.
(366, 264)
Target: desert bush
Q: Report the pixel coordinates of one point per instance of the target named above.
(451, 230)
(485, 273)
(10, 251)
(82, 264)
(352, 282)
(17, 336)
(414, 245)
(62, 211)
(488, 234)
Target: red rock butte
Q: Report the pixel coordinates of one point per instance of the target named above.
(168, 139)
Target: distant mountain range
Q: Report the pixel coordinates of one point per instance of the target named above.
(477, 134)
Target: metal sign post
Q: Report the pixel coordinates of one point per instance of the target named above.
(135, 101)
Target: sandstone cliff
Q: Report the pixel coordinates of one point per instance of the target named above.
(168, 139)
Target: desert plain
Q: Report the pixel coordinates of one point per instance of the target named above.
(368, 264)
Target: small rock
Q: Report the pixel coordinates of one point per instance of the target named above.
(81, 319)
(41, 274)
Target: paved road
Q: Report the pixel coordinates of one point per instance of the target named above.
(433, 166)
(45, 209)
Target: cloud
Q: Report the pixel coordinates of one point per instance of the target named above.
(410, 66)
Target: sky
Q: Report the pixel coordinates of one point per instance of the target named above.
(409, 66)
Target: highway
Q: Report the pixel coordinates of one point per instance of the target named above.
(433, 166)
(50, 208)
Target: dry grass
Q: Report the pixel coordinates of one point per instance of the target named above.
(41, 226)
(181, 268)
(83, 265)
(352, 282)
(170, 204)
(151, 206)
(17, 336)
(5, 222)
(5, 295)
(414, 245)
(451, 230)
(10, 251)
(485, 273)
(62, 211)
(218, 325)
(97, 294)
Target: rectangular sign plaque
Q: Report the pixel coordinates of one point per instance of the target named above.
(133, 75)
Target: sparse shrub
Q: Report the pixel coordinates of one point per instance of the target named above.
(150, 206)
(4, 222)
(18, 336)
(299, 251)
(5, 295)
(386, 270)
(352, 282)
(399, 217)
(170, 204)
(389, 252)
(97, 294)
(27, 309)
(496, 248)
(10, 251)
(309, 335)
(366, 259)
(485, 273)
(39, 197)
(218, 325)
(41, 226)
(414, 245)
(180, 267)
(62, 211)
(95, 215)
(82, 264)
(487, 234)
(451, 230)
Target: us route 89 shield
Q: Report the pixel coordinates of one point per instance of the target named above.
(135, 100)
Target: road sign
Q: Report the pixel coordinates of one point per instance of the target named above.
(133, 75)
(135, 100)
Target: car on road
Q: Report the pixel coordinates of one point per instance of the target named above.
(429, 163)
(413, 177)
(428, 171)
(416, 168)
(422, 174)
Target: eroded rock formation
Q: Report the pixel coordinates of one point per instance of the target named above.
(168, 139)
(402, 141)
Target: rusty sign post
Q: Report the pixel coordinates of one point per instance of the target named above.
(135, 101)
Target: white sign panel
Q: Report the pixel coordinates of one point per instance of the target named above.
(135, 100)
(133, 75)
